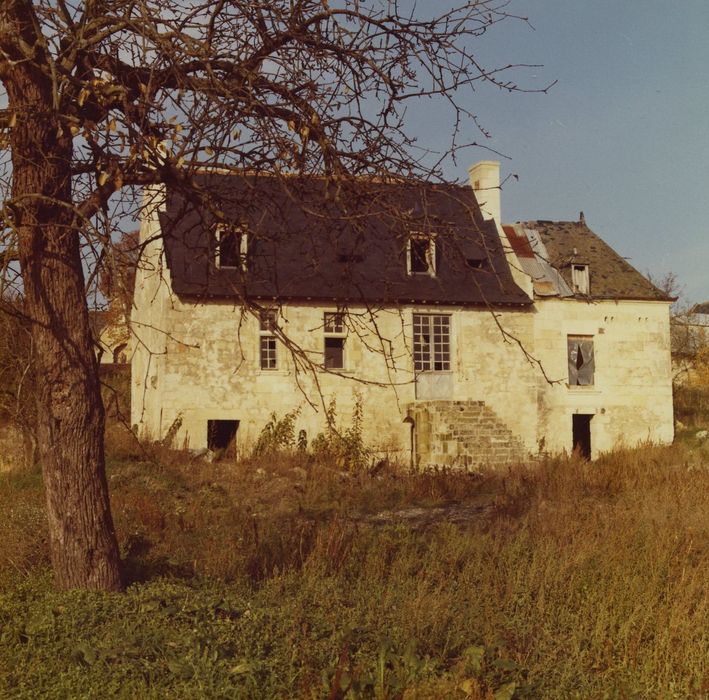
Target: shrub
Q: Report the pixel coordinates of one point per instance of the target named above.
(277, 435)
(344, 448)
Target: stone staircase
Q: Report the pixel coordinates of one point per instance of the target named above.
(462, 434)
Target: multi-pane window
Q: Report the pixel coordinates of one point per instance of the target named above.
(232, 246)
(421, 255)
(334, 340)
(267, 339)
(432, 343)
(582, 364)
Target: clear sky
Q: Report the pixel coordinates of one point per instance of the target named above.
(623, 135)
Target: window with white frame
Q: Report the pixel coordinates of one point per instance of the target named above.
(581, 359)
(432, 352)
(421, 255)
(335, 335)
(580, 279)
(268, 351)
(232, 247)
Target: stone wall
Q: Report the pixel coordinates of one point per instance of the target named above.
(631, 396)
(462, 434)
(197, 361)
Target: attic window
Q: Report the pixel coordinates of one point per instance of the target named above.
(477, 263)
(580, 279)
(421, 255)
(232, 247)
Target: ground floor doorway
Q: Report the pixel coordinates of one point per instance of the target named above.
(221, 436)
(581, 434)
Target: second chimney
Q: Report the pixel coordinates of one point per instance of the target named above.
(485, 181)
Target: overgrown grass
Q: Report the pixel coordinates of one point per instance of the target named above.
(269, 579)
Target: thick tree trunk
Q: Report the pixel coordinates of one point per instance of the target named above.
(70, 411)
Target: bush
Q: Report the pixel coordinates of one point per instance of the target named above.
(343, 447)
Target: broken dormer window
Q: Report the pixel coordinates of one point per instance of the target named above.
(232, 247)
(582, 364)
(421, 255)
(580, 279)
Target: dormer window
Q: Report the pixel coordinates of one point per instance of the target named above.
(421, 255)
(232, 247)
(580, 279)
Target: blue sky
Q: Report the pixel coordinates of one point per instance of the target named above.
(623, 135)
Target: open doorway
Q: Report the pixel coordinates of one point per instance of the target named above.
(581, 432)
(221, 436)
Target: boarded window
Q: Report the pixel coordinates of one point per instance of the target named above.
(580, 279)
(421, 255)
(431, 343)
(334, 340)
(268, 351)
(581, 360)
(232, 246)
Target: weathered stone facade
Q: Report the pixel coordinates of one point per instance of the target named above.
(506, 396)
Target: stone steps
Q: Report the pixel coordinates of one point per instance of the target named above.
(463, 434)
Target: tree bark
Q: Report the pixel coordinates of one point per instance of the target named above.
(83, 543)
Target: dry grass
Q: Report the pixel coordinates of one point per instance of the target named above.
(580, 580)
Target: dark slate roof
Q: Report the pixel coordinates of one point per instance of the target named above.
(611, 276)
(315, 240)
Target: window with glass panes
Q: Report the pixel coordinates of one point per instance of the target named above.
(432, 343)
(334, 341)
(267, 339)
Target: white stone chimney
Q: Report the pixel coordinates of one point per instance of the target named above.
(485, 181)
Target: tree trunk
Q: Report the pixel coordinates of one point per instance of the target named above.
(70, 411)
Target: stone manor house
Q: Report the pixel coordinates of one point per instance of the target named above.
(464, 340)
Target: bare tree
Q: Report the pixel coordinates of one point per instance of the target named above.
(105, 96)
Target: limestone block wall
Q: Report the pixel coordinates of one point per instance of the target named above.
(464, 434)
(206, 367)
(631, 397)
(198, 361)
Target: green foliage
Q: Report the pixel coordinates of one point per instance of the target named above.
(343, 447)
(278, 435)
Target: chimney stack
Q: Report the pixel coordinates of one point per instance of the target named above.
(485, 181)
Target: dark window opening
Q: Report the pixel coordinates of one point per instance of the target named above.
(334, 353)
(477, 263)
(421, 255)
(231, 247)
(221, 436)
(581, 434)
